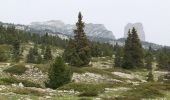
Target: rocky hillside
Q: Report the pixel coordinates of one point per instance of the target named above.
(101, 81)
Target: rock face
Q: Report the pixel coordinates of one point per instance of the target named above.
(138, 27)
(94, 31)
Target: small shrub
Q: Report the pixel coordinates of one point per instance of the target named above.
(27, 91)
(78, 70)
(12, 80)
(146, 90)
(43, 67)
(150, 77)
(16, 69)
(30, 84)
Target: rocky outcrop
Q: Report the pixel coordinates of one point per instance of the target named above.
(138, 27)
(94, 31)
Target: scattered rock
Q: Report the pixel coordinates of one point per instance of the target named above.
(97, 99)
(33, 74)
(47, 97)
(27, 99)
(123, 75)
(93, 78)
(117, 89)
(21, 85)
(14, 85)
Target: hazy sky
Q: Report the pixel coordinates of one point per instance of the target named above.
(114, 14)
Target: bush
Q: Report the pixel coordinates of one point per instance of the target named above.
(83, 87)
(150, 77)
(16, 69)
(146, 90)
(43, 67)
(59, 74)
(12, 80)
(27, 91)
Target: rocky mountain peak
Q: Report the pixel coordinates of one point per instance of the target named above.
(52, 23)
(138, 27)
(94, 31)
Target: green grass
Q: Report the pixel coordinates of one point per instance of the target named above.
(43, 67)
(147, 90)
(152, 90)
(83, 87)
(27, 91)
(71, 97)
(95, 71)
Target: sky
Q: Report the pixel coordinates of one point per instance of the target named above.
(114, 14)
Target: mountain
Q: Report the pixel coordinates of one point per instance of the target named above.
(145, 44)
(93, 31)
(138, 27)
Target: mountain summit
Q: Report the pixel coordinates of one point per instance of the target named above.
(94, 31)
(138, 27)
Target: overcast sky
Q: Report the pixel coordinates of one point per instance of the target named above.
(114, 14)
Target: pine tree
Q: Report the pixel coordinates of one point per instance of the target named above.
(150, 77)
(137, 50)
(149, 58)
(33, 56)
(42, 49)
(163, 61)
(96, 49)
(30, 56)
(127, 58)
(3, 55)
(69, 53)
(118, 56)
(39, 59)
(79, 46)
(133, 52)
(16, 51)
(48, 54)
(59, 74)
(2, 35)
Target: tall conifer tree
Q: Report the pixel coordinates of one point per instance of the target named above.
(127, 59)
(133, 51)
(16, 51)
(79, 49)
(118, 56)
(48, 54)
(137, 50)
